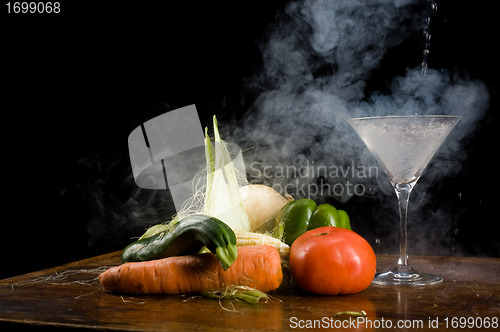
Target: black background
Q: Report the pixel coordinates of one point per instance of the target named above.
(74, 85)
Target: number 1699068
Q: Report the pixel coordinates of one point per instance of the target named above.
(33, 7)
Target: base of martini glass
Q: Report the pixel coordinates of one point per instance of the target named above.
(405, 275)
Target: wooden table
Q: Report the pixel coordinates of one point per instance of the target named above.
(70, 296)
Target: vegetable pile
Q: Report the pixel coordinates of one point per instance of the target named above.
(241, 239)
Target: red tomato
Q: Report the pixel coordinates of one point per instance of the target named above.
(331, 260)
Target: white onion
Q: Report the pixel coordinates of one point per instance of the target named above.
(262, 204)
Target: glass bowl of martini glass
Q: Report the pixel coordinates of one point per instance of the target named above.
(404, 145)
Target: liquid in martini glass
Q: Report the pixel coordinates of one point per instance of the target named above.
(404, 145)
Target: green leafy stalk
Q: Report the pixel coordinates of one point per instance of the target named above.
(222, 195)
(244, 293)
(209, 157)
(361, 313)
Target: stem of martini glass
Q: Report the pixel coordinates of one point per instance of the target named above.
(403, 192)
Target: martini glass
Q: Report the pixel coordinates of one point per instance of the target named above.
(404, 145)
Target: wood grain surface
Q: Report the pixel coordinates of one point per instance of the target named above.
(70, 296)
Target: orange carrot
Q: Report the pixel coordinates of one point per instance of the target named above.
(257, 266)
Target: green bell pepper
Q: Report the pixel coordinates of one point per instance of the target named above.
(301, 215)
